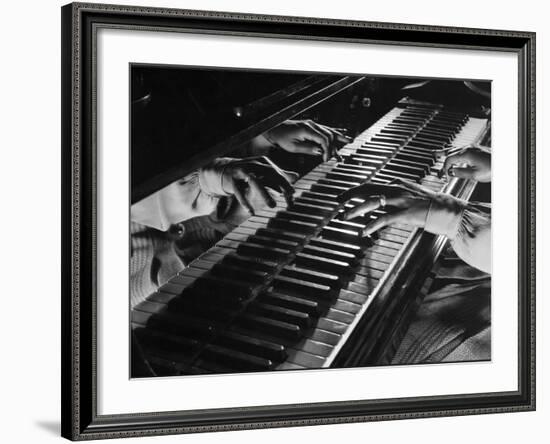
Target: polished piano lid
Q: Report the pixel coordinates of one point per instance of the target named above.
(181, 118)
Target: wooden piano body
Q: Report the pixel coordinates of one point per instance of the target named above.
(296, 287)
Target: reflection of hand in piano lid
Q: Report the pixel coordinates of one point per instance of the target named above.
(251, 179)
(306, 137)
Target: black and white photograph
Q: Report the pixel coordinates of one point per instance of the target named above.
(287, 220)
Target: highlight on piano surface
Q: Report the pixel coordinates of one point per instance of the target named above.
(291, 221)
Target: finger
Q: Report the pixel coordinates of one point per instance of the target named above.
(462, 172)
(261, 191)
(291, 176)
(365, 190)
(308, 147)
(323, 129)
(384, 221)
(277, 180)
(338, 135)
(412, 187)
(370, 204)
(453, 160)
(339, 130)
(373, 203)
(239, 195)
(313, 134)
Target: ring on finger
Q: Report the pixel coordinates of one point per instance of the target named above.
(382, 200)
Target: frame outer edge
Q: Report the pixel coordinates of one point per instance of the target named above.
(72, 426)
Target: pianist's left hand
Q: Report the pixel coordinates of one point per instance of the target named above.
(306, 137)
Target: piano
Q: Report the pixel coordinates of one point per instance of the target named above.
(295, 286)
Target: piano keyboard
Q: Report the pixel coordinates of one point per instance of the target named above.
(288, 287)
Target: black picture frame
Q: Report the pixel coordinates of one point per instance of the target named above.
(79, 396)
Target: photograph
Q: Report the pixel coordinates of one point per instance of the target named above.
(278, 221)
(286, 220)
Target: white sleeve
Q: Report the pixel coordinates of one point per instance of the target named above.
(466, 224)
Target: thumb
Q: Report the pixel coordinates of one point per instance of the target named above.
(462, 172)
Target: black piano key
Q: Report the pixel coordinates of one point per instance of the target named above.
(322, 264)
(303, 199)
(344, 168)
(363, 161)
(280, 234)
(253, 263)
(158, 338)
(401, 132)
(317, 277)
(309, 208)
(263, 251)
(413, 157)
(313, 308)
(272, 241)
(304, 217)
(338, 175)
(339, 182)
(269, 326)
(252, 345)
(236, 359)
(281, 314)
(390, 140)
(211, 307)
(180, 324)
(204, 366)
(420, 150)
(234, 292)
(414, 170)
(376, 150)
(327, 199)
(429, 145)
(240, 273)
(390, 171)
(304, 288)
(296, 226)
(331, 190)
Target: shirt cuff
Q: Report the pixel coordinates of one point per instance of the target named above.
(211, 177)
(445, 215)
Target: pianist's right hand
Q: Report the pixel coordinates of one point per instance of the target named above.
(466, 224)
